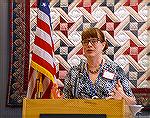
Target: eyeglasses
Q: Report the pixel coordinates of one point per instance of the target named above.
(93, 41)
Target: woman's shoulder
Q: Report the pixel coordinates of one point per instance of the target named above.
(78, 67)
(112, 66)
(74, 67)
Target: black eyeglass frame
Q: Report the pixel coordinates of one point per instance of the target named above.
(93, 41)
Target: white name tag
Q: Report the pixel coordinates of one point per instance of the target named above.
(108, 75)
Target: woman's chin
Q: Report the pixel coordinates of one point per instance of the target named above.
(89, 55)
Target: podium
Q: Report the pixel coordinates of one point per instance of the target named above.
(32, 108)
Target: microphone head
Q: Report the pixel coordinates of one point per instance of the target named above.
(82, 67)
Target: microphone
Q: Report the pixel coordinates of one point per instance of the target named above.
(82, 66)
(81, 69)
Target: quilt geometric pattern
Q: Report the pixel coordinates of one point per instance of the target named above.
(126, 25)
(126, 28)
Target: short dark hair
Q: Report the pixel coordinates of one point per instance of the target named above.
(94, 33)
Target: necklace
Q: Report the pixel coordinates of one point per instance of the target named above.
(96, 71)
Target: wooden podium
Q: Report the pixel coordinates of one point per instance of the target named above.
(32, 108)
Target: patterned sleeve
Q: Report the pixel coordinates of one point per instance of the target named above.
(67, 87)
(124, 81)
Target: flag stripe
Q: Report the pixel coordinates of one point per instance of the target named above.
(43, 35)
(47, 94)
(44, 17)
(44, 45)
(43, 54)
(47, 85)
(42, 25)
(31, 72)
(42, 63)
(43, 66)
(32, 84)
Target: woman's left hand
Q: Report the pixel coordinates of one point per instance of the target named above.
(118, 94)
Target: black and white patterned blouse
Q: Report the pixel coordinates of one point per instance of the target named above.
(78, 85)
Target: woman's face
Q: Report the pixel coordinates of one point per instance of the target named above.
(92, 47)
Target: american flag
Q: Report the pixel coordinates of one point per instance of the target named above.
(42, 69)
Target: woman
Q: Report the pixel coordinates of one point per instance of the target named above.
(97, 77)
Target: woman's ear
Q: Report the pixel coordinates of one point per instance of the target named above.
(104, 43)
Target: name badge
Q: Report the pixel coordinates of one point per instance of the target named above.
(108, 75)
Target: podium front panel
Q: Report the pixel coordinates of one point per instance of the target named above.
(32, 108)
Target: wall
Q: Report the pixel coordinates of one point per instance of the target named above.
(5, 112)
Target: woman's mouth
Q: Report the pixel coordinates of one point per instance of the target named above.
(89, 50)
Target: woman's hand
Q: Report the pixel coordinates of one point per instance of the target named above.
(55, 92)
(118, 94)
(118, 91)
